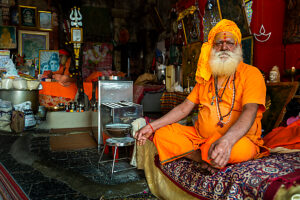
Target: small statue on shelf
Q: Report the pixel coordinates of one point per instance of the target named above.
(274, 76)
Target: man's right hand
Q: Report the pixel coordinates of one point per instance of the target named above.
(175, 115)
(143, 134)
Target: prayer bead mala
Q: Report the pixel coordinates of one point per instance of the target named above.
(220, 117)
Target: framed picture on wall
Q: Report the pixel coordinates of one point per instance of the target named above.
(49, 60)
(190, 56)
(8, 37)
(187, 25)
(96, 57)
(291, 27)
(235, 11)
(192, 27)
(28, 16)
(45, 20)
(247, 45)
(248, 10)
(212, 16)
(31, 42)
(76, 35)
(14, 16)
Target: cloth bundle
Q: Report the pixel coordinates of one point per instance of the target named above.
(5, 115)
(136, 125)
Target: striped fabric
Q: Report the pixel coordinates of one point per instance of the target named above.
(169, 100)
(9, 189)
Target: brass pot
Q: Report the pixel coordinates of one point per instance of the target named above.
(19, 96)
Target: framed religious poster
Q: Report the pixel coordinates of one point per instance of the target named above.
(45, 20)
(234, 10)
(31, 42)
(247, 45)
(14, 16)
(190, 56)
(189, 25)
(291, 33)
(8, 37)
(96, 57)
(76, 35)
(211, 17)
(248, 10)
(49, 60)
(28, 16)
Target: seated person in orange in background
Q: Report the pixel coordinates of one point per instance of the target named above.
(228, 128)
(63, 75)
(93, 76)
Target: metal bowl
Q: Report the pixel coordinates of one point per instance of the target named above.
(118, 130)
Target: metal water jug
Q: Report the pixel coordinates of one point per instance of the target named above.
(161, 73)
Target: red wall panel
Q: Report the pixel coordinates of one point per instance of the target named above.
(271, 13)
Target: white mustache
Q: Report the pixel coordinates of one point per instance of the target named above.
(224, 53)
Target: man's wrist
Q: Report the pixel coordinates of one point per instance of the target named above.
(151, 127)
(231, 140)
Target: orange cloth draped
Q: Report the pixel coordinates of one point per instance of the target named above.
(56, 89)
(93, 76)
(203, 70)
(88, 90)
(288, 137)
(190, 141)
(61, 69)
(250, 88)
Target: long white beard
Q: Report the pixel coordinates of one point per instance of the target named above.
(224, 63)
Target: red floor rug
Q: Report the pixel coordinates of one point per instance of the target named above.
(9, 189)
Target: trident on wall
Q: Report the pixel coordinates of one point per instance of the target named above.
(76, 17)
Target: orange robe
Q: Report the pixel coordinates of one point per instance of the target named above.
(62, 76)
(175, 141)
(64, 69)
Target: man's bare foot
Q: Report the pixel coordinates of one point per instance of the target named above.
(196, 156)
(208, 167)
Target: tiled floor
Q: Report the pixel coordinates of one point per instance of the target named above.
(44, 174)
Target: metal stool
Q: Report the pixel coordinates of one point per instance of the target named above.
(117, 142)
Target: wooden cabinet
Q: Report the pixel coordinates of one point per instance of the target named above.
(278, 96)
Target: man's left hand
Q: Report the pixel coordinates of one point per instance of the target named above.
(219, 152)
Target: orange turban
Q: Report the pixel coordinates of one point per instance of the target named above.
(203, 70)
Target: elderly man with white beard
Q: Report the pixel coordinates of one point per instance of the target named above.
(232, 97)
